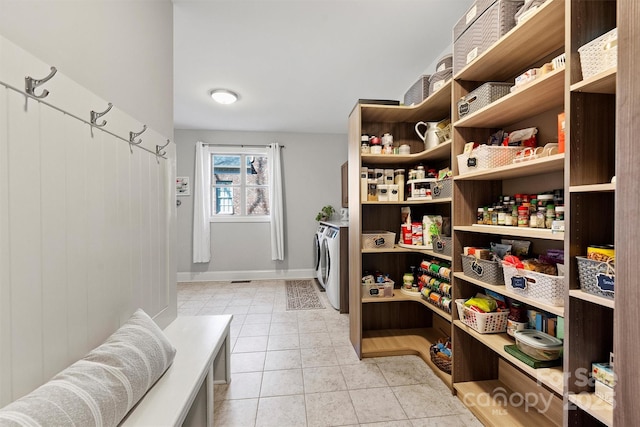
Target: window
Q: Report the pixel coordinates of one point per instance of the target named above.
(239, 184)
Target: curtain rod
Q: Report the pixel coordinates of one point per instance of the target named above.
(235, 145)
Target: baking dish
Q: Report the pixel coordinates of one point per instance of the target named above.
(538, 345)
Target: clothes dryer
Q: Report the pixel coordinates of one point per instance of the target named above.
(330, 265)
(318, 237)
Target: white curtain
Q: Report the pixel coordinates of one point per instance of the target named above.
(275, 191)
(201, 203)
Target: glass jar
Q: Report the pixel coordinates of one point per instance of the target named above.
(523, 216)
(486, 216)
(501, 217)
(559, 213)
(480, 216)
(420, 173)
(494, 216)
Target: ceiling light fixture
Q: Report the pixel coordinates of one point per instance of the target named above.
(224, 96)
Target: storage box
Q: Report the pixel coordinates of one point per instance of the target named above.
(486, 271)
(439, 79)
(418, 92)
(596, 277)
(484, 323)
(538, 286)
(486, 157)
(441, 189)
(603, 372)
(442, 244)
(378, 239)
(444, 63)
(481, 97)
(393, 192)
(561, 140)
(477, 8)
(538, 345)
(383, 193)
(482, 32)
(378, 290)
(604, 392)
(599, 54)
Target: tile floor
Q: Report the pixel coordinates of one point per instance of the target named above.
(298, 368)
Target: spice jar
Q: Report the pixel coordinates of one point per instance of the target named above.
(420, 172)
(523, 216)
(480, 216)
(559, 213)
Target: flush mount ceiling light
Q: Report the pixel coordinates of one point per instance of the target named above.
(224, 96)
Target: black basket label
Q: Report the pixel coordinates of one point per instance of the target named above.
(374, 292)
(472, 162)
(379, 241)
(477, 268)
(463, 109)
(439, 246)
(519, 282)
(437, 190)
(605, 282)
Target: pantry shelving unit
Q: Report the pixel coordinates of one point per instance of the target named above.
(480, 362)
(403, 324)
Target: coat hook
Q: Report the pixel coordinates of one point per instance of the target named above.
(30, 84)
(134, 135)
(95, 116)
(159, 148)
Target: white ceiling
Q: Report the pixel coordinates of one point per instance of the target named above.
(301, 65)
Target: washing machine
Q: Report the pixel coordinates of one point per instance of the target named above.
(318, 237)
(330, 265)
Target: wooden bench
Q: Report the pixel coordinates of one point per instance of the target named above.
(184, 394)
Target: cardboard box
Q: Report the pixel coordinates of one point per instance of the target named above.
(603, 372)
(604, 392)
(561, 140)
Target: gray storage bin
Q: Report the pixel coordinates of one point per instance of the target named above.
(441, 189)
(495, 22)
(439, 78)
(486, 271)
(418, 92)
(470, 16)
(481, 97)
(444, 63)
(442, 244)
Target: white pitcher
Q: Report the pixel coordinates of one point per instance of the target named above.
(430, 136)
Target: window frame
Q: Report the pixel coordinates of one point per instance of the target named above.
(241, 151)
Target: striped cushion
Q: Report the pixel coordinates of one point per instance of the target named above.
(101, 388)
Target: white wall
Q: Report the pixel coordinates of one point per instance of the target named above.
(87, 229)
(311, 176)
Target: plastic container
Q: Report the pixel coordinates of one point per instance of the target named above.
(538, 345)
(378, 239)
(484, 323)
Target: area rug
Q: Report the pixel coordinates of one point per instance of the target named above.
(302, 295)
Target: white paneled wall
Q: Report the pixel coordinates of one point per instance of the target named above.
(85, 226)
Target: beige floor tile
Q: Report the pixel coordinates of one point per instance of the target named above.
(188, 311)
(448, 421)
(245, 385)
(281, 383)
(210, 311)
(346, 355)
(313, 357)
(363, 376)
(287, 316)
(319, 339)
(282, 359)
(254, 330)
(281, 411)
(235, 413)
(323, 379)
(260, 309)
(218, 301)
(310, 315)
(285, 328)
(283, 342)
(416, 401)
(386, 407)
(258, 318)
(240, 309)
(340, 338)
(406, 373)
(400, 423)
(312, 327)
(329, 409)
(250, 344)
(240, 300)
(247, 362)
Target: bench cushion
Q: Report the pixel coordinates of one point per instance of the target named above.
(103, 386)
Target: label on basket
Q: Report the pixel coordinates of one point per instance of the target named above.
(436, 190)
(374, 292)
(472, 162)
(463, 109)
(519, 282)
(439, 246)
(477, 268)
(379, 241)
(605, 282)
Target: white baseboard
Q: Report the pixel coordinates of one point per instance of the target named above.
(207, 276)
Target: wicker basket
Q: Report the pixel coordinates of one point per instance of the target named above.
(442, 244)
(418, 92)
(540, 287)
(596, 277)
(443, 364)
(486, 157)
(441, 189)
(489, 272)
(485, 323)
(484, 31)
(378, 240)
(439, 79)
(599, 54)
(482, 96)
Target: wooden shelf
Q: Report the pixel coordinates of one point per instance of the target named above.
(439, 152)
(548, 164)
(594, 406)
(399, 249)
(397, 342)
(398, 295)
(550, 377)
(541, 95)
(534, 39)
(503, 290)
(593, 188)
(604, 82)
(435, 108)
(411, 202)
(595, 299)
(526, 232)
(486, 399)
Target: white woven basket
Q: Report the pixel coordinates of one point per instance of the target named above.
(486, 157)
(485, 323)
(540, 287)
(599, 54)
